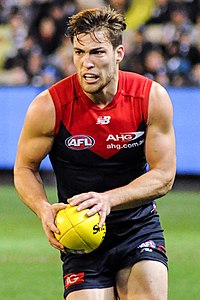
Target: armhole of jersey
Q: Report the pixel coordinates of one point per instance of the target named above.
(145, 106)
(57, 105)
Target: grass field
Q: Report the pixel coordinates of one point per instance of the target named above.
(31, 269)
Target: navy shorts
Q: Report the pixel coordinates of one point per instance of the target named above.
(131, 236)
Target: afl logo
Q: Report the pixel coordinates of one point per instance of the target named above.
(79, 142)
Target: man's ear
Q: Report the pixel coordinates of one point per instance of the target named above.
(120, 53)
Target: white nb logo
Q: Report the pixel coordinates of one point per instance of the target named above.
(103, 120)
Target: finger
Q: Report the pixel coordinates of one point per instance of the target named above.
(53, 228)
(54, 242)
(59, 206)
(102, 219)
(93, 210)
(93, 204)
(57, 245)
(76, 200)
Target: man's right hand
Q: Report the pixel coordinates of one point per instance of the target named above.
(48, 223)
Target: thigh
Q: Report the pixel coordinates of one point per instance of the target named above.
(146, 280)
(92, 294)
(88, 275)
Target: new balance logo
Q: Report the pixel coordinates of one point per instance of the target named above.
(103, 120)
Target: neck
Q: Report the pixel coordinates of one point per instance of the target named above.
(106, 95)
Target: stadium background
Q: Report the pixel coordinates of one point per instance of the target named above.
(163, 43)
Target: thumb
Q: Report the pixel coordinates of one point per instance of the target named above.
(59, 206)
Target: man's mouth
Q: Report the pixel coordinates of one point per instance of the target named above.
(90, 77)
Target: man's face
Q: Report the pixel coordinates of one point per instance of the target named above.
(96, 63)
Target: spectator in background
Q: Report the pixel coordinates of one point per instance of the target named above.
(179, 23)
(62, 58)
(195, 75)
(14, 76)
(154, 66)
(196, 29)
(15, 30)
(13, 34)
(18, 29)
(177, 60)
(121, 5)
(34, 46)
(58, 14)
(47, 36)
(160, 13)
(136, 51)
(83, 4)
(194, 53)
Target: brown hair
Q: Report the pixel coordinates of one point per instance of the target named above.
(92, 20)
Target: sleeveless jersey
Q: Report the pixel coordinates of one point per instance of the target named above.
(97, 149)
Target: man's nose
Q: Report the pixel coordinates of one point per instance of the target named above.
(87, 61)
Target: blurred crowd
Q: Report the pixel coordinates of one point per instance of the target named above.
(164, 45)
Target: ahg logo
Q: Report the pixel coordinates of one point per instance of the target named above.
(71, 279)
(126, 136)
(79, 142)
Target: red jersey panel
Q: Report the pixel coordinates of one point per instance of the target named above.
(97, 143)
(104, 131)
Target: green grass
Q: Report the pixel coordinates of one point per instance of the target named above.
(180, 218)
(30, 268)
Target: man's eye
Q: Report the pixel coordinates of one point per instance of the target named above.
(99, 52)
(78, 52)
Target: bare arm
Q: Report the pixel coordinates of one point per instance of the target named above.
(34, 144)
(160, 154)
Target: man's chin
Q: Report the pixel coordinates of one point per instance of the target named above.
(93, 91)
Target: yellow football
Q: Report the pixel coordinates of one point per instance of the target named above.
(78, 232)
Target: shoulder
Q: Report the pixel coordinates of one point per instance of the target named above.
(40, 116)
(64, 89)
(160, 105)
(42, 104)
(135, 84)
(125, 75)
(158, 90)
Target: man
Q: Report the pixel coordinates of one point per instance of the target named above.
(101, 127)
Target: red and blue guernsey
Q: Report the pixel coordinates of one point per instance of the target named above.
(97, 149)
